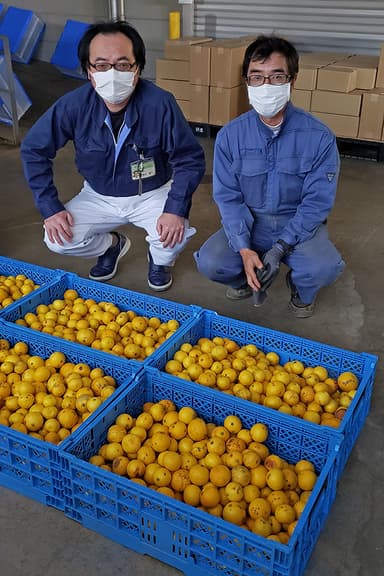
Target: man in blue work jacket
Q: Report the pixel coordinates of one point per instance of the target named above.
(274, 181)
(137, 154)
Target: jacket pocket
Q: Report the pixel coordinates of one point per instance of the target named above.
(93, 160)
(251, 171)
(292, 173)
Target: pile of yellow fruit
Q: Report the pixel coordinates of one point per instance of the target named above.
(248, 373)
(48, 398)
(100, 325)
(225, 470)
(14, 287)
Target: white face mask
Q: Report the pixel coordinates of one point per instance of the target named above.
(268, 100)
(114, 86)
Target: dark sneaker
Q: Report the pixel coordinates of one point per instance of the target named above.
(297, 306)
(106, 266)
(159, 277)
(241, 293)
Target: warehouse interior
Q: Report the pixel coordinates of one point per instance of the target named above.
(38, 539)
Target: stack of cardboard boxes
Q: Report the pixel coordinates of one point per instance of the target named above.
(345, 91)
(205, 77)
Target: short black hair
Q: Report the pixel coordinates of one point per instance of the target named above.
(264, 46)
(111, 27)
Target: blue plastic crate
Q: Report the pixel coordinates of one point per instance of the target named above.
(23, 102)
(65, 54)
(191, 540)
(311, 353)
(24, 30)
(34, 467)
(125, 299)
(39, 274)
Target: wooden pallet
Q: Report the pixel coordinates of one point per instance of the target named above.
(362, 149)
(348, 147)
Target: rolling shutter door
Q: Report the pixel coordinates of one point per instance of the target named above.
(354, 26)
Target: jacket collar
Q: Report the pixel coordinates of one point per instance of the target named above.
(287, 115)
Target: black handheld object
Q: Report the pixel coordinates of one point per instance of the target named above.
(266, 275)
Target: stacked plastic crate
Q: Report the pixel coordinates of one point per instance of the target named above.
(147, 521)
(23, 29)
(65, 54)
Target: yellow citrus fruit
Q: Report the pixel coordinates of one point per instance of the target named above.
(220, 475)
(275, 479)
(186, 414)
(161, 476)
(259, 508)
(321, 372)
(119, 464)
(234, 512)
(262, 527)
(191, 495)
(170, 460)
(233, 424)
(209, 496)
(197, 429)
(173, 367)
(160, 441)
(178, 430)
(304, 465)
(113, 450)
(347, 381)
(67, 418)
(259, 432)
(285, 514)
(198, 474)
(34, 421)
(306, 479)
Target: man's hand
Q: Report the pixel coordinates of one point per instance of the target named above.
(271, 265)
(58, 227)
(170, 228)
(251, 261)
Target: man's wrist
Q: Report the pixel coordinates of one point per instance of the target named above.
(284, 246)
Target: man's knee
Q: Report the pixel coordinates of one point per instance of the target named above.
(62, 249)
(205, 264)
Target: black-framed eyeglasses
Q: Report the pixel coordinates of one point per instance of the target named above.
(119, 66)
(276, 79)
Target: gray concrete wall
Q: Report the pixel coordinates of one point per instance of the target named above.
(150, 18)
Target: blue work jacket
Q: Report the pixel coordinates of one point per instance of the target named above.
(258, 174)
(154, 127)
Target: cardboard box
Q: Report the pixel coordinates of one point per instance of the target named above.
(227, 103)
(372, 115)
(199, 104)
(301, 98)
(172, 69)
(336, 79)
(200, 64)
(179, 89)
(306, 78)
(321, 59)
(226, 63)
(185, 107)
(200, 58)
(343, 126)
(336, 102)
(180, 49)
(380, 70)
(366, 69)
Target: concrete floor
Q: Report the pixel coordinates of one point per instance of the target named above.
(36, 539)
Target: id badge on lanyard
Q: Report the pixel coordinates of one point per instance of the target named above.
(142, 168)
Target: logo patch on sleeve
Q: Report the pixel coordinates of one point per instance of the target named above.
(330, 176)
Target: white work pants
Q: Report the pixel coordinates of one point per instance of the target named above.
(95, 216)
